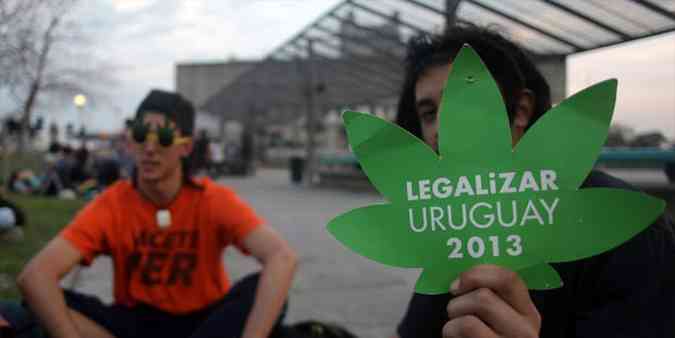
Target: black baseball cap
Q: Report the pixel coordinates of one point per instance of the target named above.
(172, 105)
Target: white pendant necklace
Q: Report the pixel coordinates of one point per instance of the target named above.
(163, 218)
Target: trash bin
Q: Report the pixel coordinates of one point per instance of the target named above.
(297, 165)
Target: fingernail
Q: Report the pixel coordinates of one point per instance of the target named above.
(454, 287)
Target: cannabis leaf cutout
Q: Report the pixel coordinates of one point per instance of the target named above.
(482, 201)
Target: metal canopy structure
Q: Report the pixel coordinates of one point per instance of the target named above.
(352, 54)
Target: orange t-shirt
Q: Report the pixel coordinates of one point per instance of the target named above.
(177, 269)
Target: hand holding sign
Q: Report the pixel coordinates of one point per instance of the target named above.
(480, 202)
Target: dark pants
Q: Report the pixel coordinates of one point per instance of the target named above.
(224, 319)
(22, 322)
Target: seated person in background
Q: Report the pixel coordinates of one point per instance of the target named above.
(107, 172)
(12, 220)
(165, 232)
(81, 163)
(626, 292)
(24, 181)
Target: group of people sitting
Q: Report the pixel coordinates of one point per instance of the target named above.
(67, 173)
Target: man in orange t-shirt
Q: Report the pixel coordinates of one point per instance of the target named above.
(166, 233)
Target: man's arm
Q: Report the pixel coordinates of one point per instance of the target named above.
(39, 284)
(279, 262)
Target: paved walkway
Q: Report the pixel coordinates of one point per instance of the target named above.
(332, 284)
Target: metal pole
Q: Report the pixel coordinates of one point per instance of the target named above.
(4, 159)
(251, 138)
(310, 165)
(451, 12)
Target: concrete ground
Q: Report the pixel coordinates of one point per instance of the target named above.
(332, 283)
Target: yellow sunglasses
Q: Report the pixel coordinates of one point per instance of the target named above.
(165, 136)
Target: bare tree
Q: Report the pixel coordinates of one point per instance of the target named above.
(43, 54)
(619, 135)
(12, 34)
(654, 139)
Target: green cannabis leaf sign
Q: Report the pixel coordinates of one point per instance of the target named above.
(481, 201)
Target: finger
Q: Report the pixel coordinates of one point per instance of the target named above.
(505, 283)
(467, 327)
(493, 311)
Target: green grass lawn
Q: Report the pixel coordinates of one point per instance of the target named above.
(46, 217)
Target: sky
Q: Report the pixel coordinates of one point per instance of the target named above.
(143, 40)
(645, 70)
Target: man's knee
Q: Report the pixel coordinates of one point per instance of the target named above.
(80, 307)
(87, 327)
(19, 320)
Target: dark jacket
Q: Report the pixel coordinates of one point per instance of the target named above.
(626, 292)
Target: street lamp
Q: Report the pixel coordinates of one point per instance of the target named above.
(80, 101)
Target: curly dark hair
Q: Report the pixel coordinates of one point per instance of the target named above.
(509, 64)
